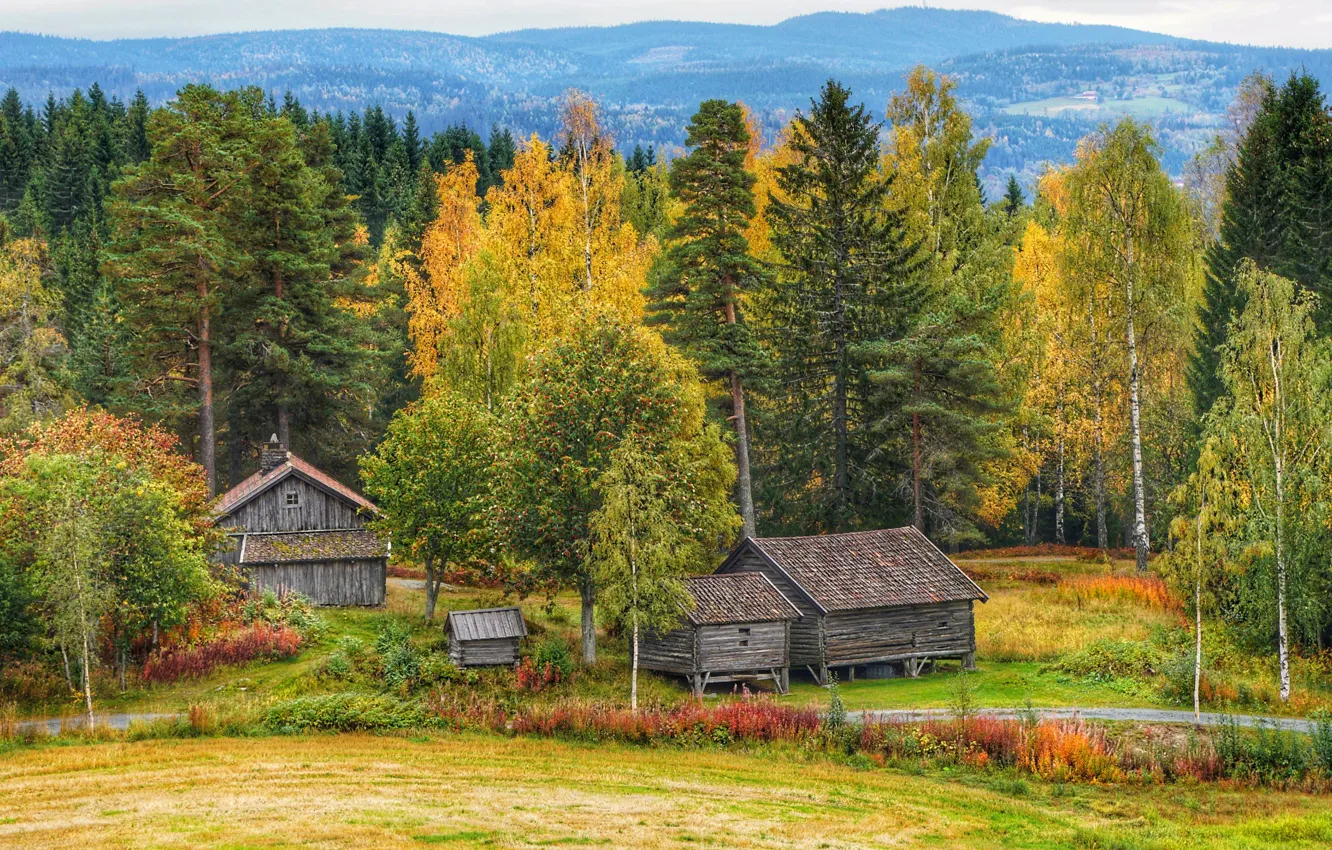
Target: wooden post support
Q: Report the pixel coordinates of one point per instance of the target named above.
(969, 661)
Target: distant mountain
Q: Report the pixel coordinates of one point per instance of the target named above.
(1036, 88)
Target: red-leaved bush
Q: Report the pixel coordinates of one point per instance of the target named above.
(259, 641)
(534, 677)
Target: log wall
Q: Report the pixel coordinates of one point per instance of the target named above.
(484, 653)
(332, 583)
(742, 646)
(883, 634)
(672, 652)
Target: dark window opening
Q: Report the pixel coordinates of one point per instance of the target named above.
(293, 500)
(744, 643)
(744, 631)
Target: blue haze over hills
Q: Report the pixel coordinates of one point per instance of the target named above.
(1021, 80)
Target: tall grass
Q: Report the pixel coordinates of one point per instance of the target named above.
(259, 641)
(1148, 591)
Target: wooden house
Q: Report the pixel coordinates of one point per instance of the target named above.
(738, 630)
(486, 637)
(867, 599)
(292, 527)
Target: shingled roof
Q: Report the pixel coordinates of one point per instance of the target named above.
(737, 598)
(486, 624)
(868, 569)
(295, 546)
(261, 481)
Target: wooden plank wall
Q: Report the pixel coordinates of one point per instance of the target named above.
(742, 647)
(332, 583)
(484, 653)
(876, 634)
(318, 511)
(806, 633)
(672, 652)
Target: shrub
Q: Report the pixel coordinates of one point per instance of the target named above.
(533, 676)
(1104, 660)
(555, 652)
(31, 681)
(1321, 740)
(336, 666)
(345, 712)
(288, 609)
(257, 642)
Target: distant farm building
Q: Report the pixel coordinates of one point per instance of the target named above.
(738, 630)
(295, 528)
(888, 600)
(485, 637)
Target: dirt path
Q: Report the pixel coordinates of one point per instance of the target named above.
(1131, 715)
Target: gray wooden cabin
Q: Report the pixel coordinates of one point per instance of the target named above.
(485, 637)
(738, 630)
(292, 527)
(885, 600)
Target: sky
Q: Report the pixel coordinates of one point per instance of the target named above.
(1289, 23)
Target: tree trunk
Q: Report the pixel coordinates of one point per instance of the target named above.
(744, 480)
(284, 425)
(432, 589)
(1059, 493)
(64, 653)
(207, 433)
(1283, 634)
(1135, 423)
(918, 510)
(87, 652)
(587, 592)
(633, 672)
(1197, 614)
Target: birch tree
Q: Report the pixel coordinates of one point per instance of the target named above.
(1128, 226)
(1277, 376)
(641, 548)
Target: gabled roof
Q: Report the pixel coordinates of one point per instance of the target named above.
(867, 569)
(723, 598)
(260, 482)
(295, 546)
(486, 624)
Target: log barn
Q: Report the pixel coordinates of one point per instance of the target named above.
(884, 600)
(292, 527)
(485, 637)
(738, 630)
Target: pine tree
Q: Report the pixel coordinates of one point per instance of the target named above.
(842, 259)
(706, 270)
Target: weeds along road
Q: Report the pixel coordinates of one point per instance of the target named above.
(1125, 715)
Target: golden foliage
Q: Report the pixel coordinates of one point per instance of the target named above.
(454, 237)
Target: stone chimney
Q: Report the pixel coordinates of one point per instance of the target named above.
(273, 455)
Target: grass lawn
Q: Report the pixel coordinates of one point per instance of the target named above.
(999, 684)
(481, 791)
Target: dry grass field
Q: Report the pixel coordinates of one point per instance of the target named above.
(479, 791)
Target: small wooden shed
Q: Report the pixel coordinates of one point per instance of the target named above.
(485, 637)
(887, 600)
(738, 630)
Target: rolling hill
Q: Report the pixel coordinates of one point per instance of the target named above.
(1021, 79)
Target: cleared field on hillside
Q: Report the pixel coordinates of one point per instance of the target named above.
(478, 791)
(1138, 107)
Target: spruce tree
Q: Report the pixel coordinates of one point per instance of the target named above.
(707, 269)
(1014, 200)
(842, 258)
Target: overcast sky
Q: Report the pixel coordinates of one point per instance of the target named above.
(1295, 23)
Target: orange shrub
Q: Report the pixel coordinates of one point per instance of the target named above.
(1148, 591)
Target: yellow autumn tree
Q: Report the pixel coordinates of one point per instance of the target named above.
(532, 231)
(33, 352)
(436, 296)
(615, 258)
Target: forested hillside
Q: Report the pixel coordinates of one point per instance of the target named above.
(1017, 78)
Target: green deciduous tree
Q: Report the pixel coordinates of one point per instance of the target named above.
(1277, 425)
(643, 545)
(586, 395)
(431, 480)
